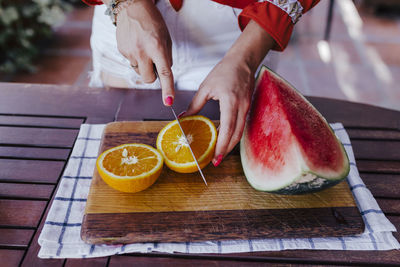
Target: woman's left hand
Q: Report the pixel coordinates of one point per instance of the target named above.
(231, 83)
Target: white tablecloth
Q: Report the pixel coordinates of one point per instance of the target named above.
(60, 237)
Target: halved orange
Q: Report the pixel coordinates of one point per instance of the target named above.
(130, 167)
(202, 136)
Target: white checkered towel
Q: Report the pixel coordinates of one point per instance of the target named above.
(60, 237)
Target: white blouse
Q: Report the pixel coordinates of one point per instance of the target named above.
(201, 33)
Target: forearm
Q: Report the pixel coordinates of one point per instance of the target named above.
(252, 46)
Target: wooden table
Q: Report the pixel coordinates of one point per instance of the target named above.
(38, 127)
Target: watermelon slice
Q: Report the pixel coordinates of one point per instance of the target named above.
(287, 146)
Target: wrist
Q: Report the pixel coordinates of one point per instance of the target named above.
(240, 61)
(251, 47)
(115, 7)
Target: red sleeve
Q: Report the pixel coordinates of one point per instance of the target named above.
(93, 2)
(273, 19)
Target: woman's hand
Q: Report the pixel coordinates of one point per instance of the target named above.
(231, 82)
(143, 38)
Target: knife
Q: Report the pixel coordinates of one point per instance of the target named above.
(187, 142)
(183, 133)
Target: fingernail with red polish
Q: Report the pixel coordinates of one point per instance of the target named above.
(181, 114)
(169, 100)
(217, 161)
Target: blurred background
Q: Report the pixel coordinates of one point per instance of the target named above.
(344, 49)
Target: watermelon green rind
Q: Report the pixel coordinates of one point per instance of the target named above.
(305, 188)
(294, 184)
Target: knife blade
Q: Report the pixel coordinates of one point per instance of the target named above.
(187, 142)
(183, 133)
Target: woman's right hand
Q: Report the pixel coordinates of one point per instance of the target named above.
(143, 38)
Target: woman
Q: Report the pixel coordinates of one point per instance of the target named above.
(193, 44)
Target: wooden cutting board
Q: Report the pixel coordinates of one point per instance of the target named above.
(180, 208)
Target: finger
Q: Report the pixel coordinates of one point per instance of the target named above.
(166, 79)
(146, 70)
(198, 102)
(243, 109)
(238, 132)
(227, 126)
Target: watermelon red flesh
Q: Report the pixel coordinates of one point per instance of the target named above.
(268, 129)
(285, 138)
(268, 148)
(319, 145)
